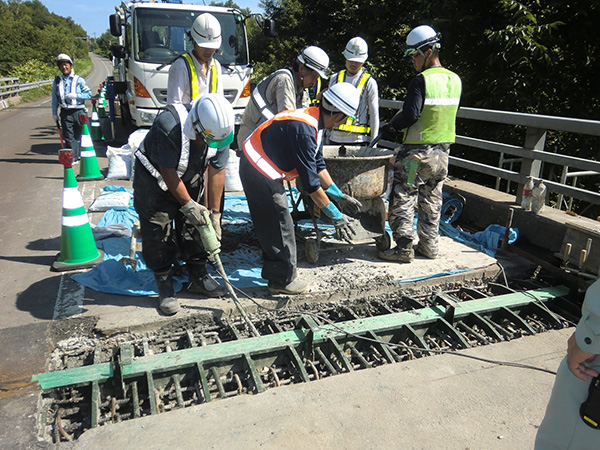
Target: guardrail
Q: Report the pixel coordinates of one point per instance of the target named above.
(10, 87)
(531, 154)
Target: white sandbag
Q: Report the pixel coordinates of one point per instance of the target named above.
(232, 174)
(136, 138)
(119, 200)
(120, 161)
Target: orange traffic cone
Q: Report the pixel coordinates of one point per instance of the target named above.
(96, 129)
(77, 246)
(88, 165)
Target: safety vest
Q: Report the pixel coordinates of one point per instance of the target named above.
(260, 92)
(191, 67)
(351, 125)
(437, 123)
(316, 101)
(61, 93)
(181, 114)
(254, 151)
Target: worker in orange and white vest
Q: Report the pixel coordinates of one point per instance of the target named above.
(286, 147)
(194, 74)
(364, 128)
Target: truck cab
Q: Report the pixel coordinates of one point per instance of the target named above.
(152, 35)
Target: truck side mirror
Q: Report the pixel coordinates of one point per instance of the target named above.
(114, 21)
(269, 28)
(118, 50)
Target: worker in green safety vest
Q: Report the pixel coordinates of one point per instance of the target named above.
(364, 128)
(194, 74)
(428, 118)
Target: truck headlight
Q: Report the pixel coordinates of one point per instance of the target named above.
(147, 117)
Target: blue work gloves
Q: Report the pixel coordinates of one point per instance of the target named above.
(348, 204)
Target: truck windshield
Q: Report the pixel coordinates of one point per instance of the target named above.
(162, 34)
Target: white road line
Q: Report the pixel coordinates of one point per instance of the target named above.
(69, 299)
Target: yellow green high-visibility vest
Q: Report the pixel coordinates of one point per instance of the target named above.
(437, 123)
(212, 87)
(350, 124)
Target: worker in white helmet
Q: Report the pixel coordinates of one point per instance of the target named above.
(168, 183)
(283, 90)
(194, 74)
(287, 147)
(70, 91)
(365, 127)
(428, 118)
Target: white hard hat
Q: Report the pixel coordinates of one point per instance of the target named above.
(356, 50)
(206, 31)
(342, 97)
(316, 59)
(421, 36)
(63, 57)
(212, 118)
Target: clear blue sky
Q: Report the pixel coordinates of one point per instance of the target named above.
(92, 15)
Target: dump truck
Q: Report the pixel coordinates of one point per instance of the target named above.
(152, 35)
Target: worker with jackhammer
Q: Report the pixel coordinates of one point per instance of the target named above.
(70, 91)
(286, 147)
(283, 90)
(168, 183)
(428, 119)
(366, 126)
(194, 74)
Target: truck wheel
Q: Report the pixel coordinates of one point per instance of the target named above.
(125, 114)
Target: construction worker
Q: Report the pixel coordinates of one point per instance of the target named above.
(571, 421)
(286, 147)
(69, 91)
(366, 126)
(283, 90)
(428, 118)
(194, 74)
(168, 183)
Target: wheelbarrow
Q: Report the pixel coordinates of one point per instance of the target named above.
(362, 173)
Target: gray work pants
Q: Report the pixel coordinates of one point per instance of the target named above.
(71, 128)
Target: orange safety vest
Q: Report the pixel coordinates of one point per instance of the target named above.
(254, 151)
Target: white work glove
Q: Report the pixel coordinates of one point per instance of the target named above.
(349, 204)
(71, 96)
(55, 118)
(215, 220)
(194, 213)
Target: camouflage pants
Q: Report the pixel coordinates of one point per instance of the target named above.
(424, 194)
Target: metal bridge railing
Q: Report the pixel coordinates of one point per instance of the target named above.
(9, 87)
(531, 154)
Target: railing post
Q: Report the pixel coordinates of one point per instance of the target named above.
(535, 139)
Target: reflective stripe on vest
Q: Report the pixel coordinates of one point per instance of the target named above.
(350, 122)
(259, 93)
(437, 123)
(316, 101)
(212, 86)
(61, 93)
(184, 157)
(255, 153)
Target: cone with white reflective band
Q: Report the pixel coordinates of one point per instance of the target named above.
(96, 129)
(102, 104)
(88, 163)
(77, 246)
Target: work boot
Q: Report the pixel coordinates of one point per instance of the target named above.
(167, 301)
(424, 250)
(202, 283)
(297, 286)
(402, 252)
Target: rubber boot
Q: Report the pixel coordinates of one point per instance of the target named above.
(167, 301)
(202, 283)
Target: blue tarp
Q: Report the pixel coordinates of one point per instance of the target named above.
(243, 267)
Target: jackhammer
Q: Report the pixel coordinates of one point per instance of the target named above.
(212, 246)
